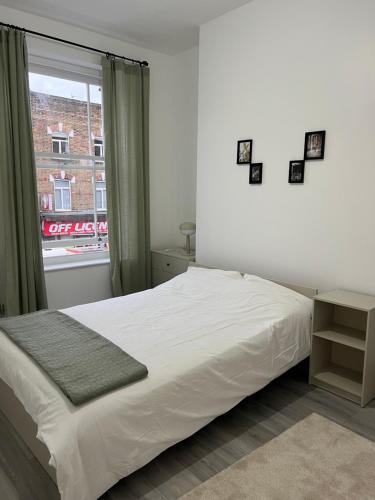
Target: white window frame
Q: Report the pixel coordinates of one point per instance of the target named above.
(91, 75)
(103, 190)
(62, 189)
(59, 139)
(100, 145)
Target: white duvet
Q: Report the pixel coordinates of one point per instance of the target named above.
(209, 338)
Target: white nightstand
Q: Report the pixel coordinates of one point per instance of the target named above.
(168, 263)
(343, 345)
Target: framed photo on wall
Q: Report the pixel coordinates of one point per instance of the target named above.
(244, 152)
(256, 173)
(296, 172)
(314, 145)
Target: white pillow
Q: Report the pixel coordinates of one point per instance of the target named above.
(204, 271)
(271, 285)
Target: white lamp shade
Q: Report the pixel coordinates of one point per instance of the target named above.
(187, 228)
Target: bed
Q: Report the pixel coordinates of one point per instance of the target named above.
(209, 339)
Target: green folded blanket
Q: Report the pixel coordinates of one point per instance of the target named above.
(81, 362)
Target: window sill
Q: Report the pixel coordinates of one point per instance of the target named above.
(76, 264)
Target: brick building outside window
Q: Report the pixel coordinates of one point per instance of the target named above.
(68, 144)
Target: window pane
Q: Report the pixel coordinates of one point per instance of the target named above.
(66, 199)
(99, 199)
(59, 106)
(98, 148)
(64, 146)
(55, 147)
(66, 123)
(96, 120)
(58, 202)
(78, 221)
(61, 183)
(100, 186)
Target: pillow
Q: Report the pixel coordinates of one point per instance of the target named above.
(271, 285)
(204, 271)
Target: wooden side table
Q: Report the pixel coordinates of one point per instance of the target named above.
(168, 263)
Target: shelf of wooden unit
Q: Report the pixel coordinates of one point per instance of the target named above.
(337, 377)
(344, 335)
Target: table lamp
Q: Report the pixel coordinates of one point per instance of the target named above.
(188, 229)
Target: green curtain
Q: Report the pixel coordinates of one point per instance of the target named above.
(22, 286)
(126, 124)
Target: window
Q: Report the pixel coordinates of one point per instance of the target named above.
(98, 147)
(70, 175)
(101, 196)
(60, 144)
(62, 195)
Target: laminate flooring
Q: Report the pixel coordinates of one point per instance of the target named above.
(252, 423)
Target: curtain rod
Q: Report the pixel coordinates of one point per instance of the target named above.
(74, 44)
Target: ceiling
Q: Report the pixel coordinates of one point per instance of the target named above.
(168, 26)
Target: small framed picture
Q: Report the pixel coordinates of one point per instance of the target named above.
(314, 145)
(296, 172)
(256, 172)
(244, 152)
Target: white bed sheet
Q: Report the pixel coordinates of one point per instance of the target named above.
(208, 338)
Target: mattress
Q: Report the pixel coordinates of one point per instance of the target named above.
(209, 338)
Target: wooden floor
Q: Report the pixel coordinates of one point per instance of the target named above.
(252, 423)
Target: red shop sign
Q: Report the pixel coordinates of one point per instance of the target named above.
(73, 228)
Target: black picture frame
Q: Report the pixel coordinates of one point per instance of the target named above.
(296, 172)
(314, 145)
(243, 159)
(256, 173)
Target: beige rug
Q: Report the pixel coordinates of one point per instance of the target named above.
(315, 459)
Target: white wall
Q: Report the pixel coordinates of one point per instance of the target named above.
(272, 70)
(183, 141)
(173, 120)
(70, 287)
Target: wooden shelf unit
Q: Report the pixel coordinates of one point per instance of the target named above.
(343, 345)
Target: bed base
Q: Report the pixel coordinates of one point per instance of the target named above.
(26, 427)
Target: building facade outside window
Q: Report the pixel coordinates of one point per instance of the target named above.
(70, 172)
